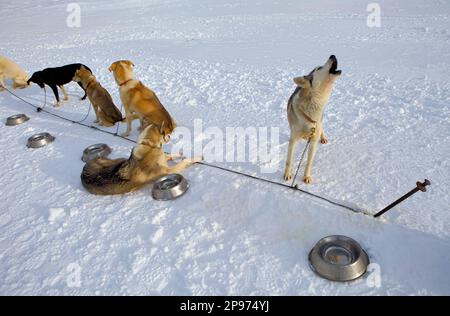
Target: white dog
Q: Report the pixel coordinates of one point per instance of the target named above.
(10, 70)
(305, 112)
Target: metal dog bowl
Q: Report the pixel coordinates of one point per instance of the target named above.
(338, 258)
(16, 119)
(40, 140)
(169, 187)
(96, 151)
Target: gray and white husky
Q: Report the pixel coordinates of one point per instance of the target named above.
(305, 112)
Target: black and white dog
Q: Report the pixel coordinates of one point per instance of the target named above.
(57, 77)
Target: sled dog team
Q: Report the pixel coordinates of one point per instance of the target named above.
(148, 161)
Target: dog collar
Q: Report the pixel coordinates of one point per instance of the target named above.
(124, 83)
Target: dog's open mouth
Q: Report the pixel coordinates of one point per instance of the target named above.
(333, 68)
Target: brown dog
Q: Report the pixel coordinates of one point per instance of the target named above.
(139, 101)
(147, 162)
(106, 112)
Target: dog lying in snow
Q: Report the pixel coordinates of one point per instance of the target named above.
(147, 162)
(57, 77)
(106, 112)
(139, 101)
(10, 70)
(305, 111)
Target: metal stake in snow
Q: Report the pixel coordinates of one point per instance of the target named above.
(419, 187)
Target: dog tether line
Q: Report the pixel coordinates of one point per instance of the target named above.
(303, 156)
(42, 108)
(291, 187)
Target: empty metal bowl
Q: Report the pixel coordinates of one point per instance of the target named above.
(40, 140)
(338, 258)
(95, 151)
(16, 119)
(169, 187)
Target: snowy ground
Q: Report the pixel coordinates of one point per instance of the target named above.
(231, 63)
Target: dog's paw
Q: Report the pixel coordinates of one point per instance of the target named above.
(57, 104)
(287, 176)
(66, 99)
(307, 179)
(126, 134)
(323, 139)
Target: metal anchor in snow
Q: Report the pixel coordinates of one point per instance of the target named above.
(419, 187)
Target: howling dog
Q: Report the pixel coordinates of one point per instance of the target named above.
(147, 163)
(305, 112)
(139, 101)
(10, 70)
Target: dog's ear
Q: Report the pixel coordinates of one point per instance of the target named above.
(129, 63)
(301, 81)
(112, 67)
(139, 151)
(143, 135)
(75, 75)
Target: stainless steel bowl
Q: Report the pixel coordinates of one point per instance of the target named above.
(16, 119)
(338, 258)
(40, 140)
(169, 187)
(95, 151)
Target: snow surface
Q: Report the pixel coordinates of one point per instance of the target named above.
(231, 63)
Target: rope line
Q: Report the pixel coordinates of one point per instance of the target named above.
(295, 188)
(42, 108)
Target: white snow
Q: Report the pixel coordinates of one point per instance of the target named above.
(55, 214)
(231, 63)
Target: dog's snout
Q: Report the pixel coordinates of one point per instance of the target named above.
(333, 57)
